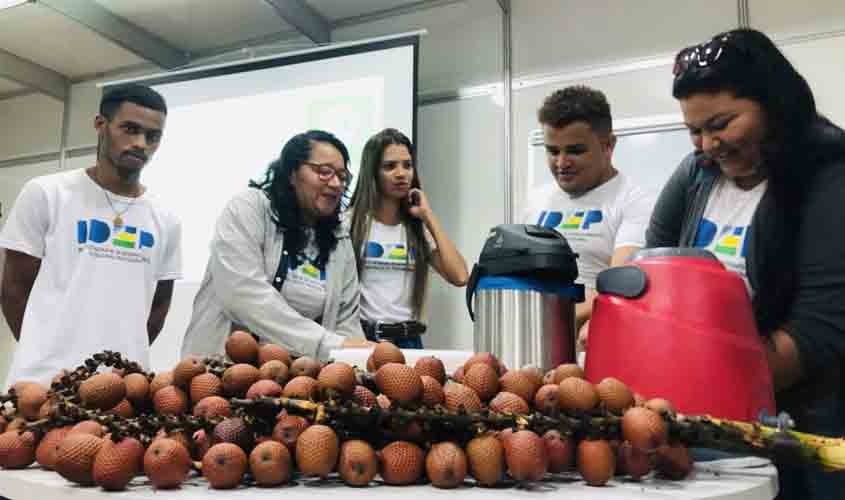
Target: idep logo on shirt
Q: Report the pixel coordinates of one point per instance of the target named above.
(729, 240)
(128, 237)
(306, 268)
(578, 220)
(313, 272)
(390, 251)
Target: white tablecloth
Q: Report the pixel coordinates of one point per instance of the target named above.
(746, 479)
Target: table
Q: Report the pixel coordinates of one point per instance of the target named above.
(733, 479)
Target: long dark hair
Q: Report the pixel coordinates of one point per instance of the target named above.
(367, 199)
(287, 214)
(747, 63)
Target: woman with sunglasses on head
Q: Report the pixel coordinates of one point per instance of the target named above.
(281, 263)
(768, 171)
(396, 236)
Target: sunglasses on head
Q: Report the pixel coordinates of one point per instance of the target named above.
(704, 55)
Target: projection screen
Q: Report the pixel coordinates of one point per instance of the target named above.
(226, 123)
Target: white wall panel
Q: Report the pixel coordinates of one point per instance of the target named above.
(786, 18)
(84, 105)
(556, 35)
(461, 158)
(463, 46)
(817, 61)
(29, 125)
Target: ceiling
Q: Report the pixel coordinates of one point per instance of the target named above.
(46, 45)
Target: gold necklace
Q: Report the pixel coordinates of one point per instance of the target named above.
(118, 216)
(117, 222)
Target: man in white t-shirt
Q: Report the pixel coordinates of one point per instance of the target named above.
(91, 255)
(600, 211)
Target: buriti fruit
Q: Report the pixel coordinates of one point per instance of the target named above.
(301, 387)
(431, 366)
(75, 457)
(399, 382)
(317, 451)
(273, 352)
(386, 352)
(446, 465)
(17, 450)
(241, 347)
(402, 463)
(525, 453)
(596, 461)
(270, 464)
(486, 457)
(186, 370)
(102, 391)
(305, 366)
(358, 463)
(117, 463)
(205, 385)
(48, 447)
(167, 463)
(224, 465)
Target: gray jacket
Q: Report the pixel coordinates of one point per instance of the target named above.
(245, 252)
(682, 202)
(812, 309)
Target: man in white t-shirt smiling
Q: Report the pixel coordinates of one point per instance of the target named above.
(91, 255)
(602, 214)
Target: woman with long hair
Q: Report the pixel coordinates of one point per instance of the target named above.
(396, 236)
(281, 263)
(768, 171)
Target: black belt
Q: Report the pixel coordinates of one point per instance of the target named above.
(376, 330)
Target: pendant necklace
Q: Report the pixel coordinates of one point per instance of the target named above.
(117, 222)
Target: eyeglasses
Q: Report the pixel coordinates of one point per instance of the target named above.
(703, 55)
(326, 172)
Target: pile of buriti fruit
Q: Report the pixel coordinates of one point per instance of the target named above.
(261, 418)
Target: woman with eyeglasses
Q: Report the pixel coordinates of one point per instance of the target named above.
(396, 236)
(763, 191)
(281, 263)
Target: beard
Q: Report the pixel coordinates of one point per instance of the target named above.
(127, 171)
(127, 174)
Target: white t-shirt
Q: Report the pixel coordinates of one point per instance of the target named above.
(94, 289)
(596, 223)
(304, 288)
(726, 223)
(387, 283)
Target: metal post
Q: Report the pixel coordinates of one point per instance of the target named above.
(65, 128)
(743, 16)
(507, 90)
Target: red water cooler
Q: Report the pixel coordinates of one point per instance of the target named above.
(675, 323)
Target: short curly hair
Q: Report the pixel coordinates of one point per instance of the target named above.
(136, 94)
(574, 104)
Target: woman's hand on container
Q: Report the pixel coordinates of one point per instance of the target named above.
(583, 333)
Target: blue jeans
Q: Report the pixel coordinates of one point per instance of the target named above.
(415, 343)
